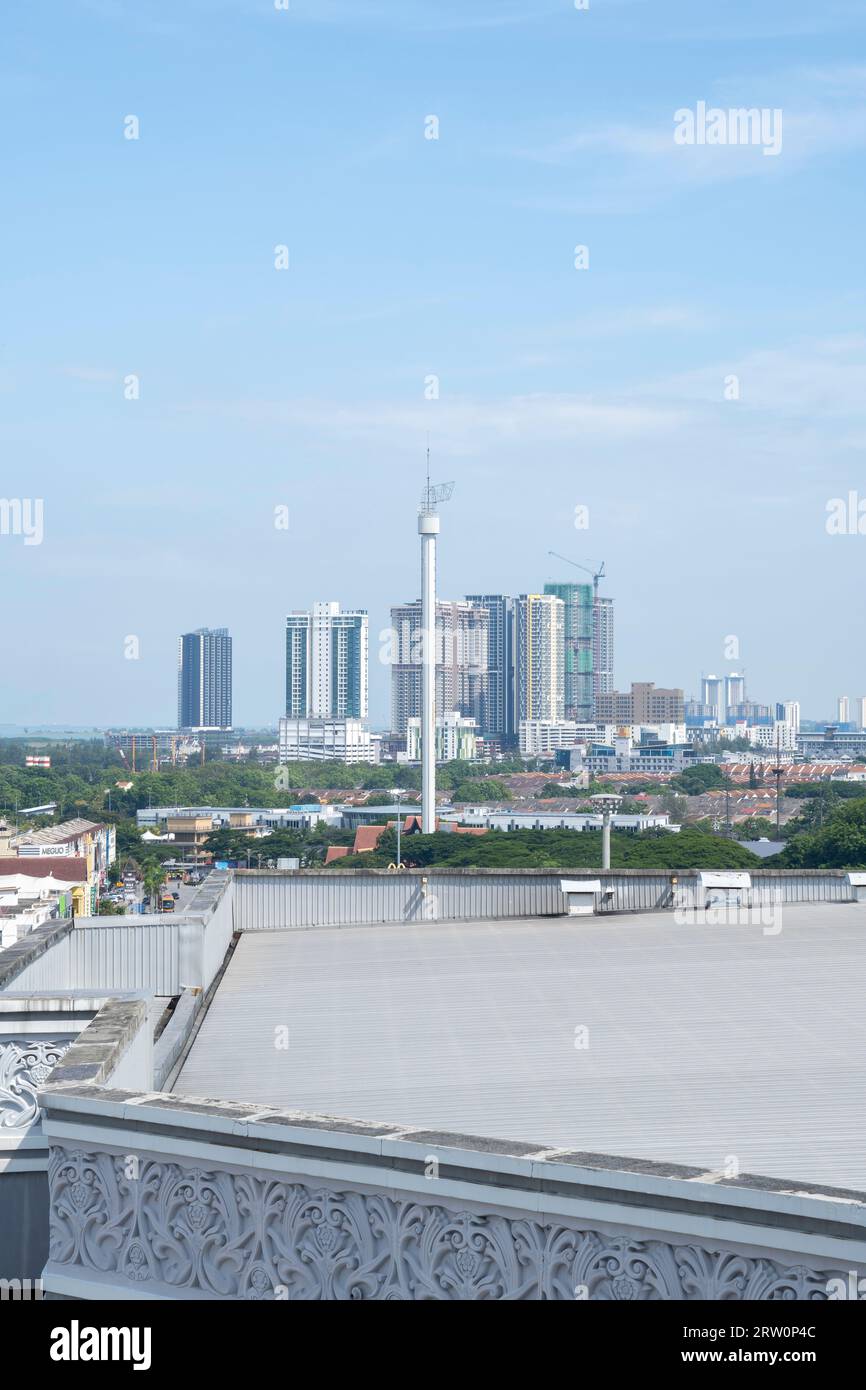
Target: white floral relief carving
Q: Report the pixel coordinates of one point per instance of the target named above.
(235, 1235)
(25, 1065)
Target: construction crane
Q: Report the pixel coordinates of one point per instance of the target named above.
(596, 574)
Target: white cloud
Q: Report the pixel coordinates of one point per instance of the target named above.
(462, 426)
(823, 377)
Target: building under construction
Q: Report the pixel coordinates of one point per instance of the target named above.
(147, 750)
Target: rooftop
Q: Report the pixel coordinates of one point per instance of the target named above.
(691, 1044)
(57, 834)
(71, 870)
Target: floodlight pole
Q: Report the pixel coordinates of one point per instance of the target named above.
(605, 839)
(607, 804)
(398, 793)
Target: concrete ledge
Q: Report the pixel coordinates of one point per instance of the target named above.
(173, 1038)
(15, 959)
(99, 1048)
(533, 1175)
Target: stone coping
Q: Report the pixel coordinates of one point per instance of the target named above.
(174, 1037)
(73, 1095)
(14, 959)
(200, 907)
(59, 1001)
(99, 1047)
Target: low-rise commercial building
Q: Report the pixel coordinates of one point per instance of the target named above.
(624, 755)
(504, 818)
(252, 818)
(541, 738)
(327, 740)
(73, 839)
(832, 742)
(33, 891)
(767, 734)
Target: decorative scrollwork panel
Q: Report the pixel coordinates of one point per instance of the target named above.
(239, 1235)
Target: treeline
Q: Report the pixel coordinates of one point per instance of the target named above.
(556, 849)
(838, 843)
(83, 779)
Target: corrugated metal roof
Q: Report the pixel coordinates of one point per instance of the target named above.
(702, 1043)
(57, 834)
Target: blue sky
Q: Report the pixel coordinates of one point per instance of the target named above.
(410, 257)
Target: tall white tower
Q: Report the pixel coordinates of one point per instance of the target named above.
(428, 530)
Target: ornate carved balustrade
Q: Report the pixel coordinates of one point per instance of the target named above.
(167, 1196)
(184, 1231)
(25, 1065)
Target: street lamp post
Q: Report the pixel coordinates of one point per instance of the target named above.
(398, 792)
(607, 804)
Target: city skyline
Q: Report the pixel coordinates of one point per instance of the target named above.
(390, 644)
(316, 668)
(181, 407)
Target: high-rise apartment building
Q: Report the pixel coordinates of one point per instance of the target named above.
(788, 711)
(843, 710)
(497, 719)
(327, 663)
(539, 657)
(462, 631)
(578, 645)
(204, 679)
(735, 690)
(713, 696)
(602, 648)
(297, 665)
(643, 704)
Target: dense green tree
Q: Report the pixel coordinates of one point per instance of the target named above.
(106, 908)
(839, 844)
(309, 846)
(154, 878)
(756, 828)
(556, 849)
(809, 791)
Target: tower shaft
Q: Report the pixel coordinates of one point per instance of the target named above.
(428, 529)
